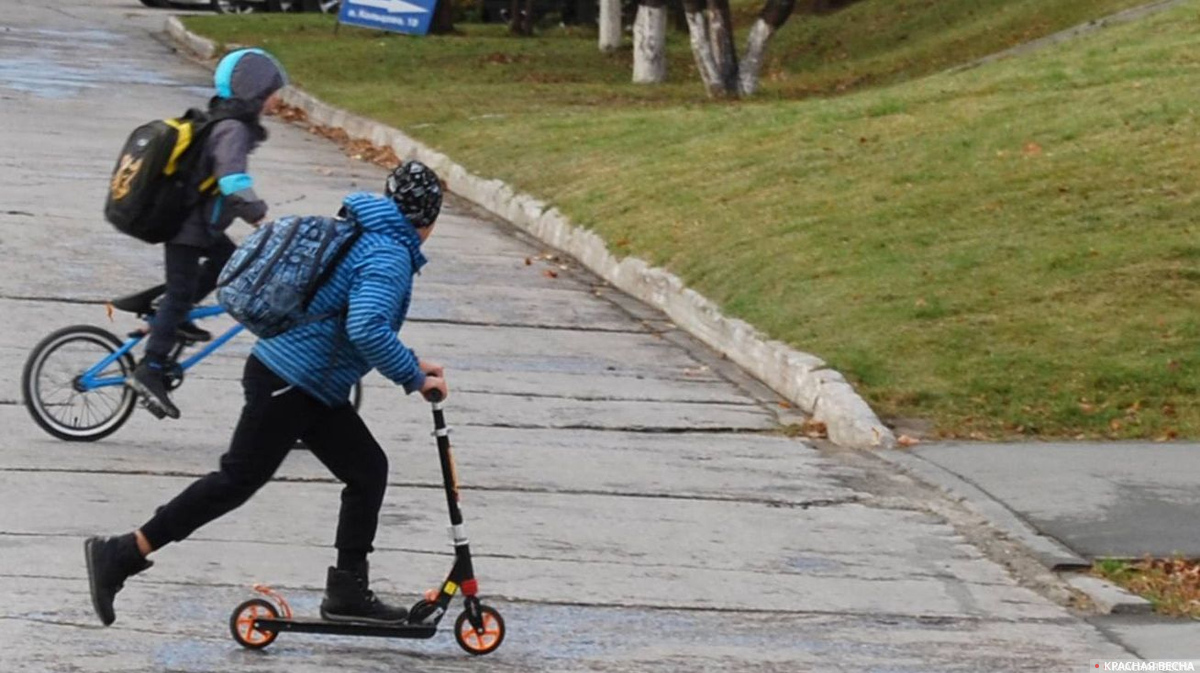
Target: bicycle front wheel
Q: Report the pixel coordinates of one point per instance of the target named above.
(55, 396)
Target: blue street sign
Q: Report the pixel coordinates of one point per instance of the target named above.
(401, 16)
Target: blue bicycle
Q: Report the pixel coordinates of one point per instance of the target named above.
(74, 380)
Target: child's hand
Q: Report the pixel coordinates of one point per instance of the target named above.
(431, 369)
(435, 389)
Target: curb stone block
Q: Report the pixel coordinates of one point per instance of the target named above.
(799, 377)
(1108, 597)
(848, 419)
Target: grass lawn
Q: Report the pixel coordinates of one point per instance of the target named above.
(1005, 251)
(1171, 585)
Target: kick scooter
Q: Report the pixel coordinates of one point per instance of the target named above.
(479, 629)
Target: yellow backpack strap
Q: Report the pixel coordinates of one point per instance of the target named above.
(208, 184)
(182, 141)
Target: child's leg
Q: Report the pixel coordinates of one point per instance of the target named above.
(183, 270)
(344, 444)
(274, 416)
(216, 256)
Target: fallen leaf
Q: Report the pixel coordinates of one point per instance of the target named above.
(814, 429)
(528, 262)
(1032, 149)
(550, 273)
(906, 441)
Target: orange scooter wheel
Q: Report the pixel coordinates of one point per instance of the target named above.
(241, 623)
(480, 643)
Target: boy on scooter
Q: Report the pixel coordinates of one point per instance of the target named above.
(297, 386)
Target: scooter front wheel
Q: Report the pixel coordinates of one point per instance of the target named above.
(241, 623)
(480, 643)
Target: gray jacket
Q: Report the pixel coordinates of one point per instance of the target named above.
(225, 191)
(223, 167)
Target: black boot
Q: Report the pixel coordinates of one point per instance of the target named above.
(190, 331)
(149, 381)
(348, 599)
(110, 561)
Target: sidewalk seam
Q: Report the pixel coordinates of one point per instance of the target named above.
(1046, 549)
(803, 379)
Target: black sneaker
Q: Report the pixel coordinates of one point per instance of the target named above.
(148, 381)
(348, 599)
(110, 561)
(189, 331)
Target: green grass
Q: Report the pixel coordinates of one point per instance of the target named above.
(1006, 251)
(1171, 585)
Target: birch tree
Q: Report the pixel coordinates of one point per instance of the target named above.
(650, 42)
(610, 25)
(710, 31)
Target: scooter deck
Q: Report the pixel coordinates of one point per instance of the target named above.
(345, 628)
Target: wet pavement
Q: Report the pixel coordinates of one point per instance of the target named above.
(630, 500)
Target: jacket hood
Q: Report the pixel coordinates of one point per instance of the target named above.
(378, 214)
(250, 75)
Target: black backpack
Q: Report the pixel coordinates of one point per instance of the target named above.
(148, 195)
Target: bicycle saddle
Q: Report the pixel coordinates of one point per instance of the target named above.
(141, 303)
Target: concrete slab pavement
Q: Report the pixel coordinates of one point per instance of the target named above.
(631, 502)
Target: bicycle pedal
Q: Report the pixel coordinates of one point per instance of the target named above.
(155, 410)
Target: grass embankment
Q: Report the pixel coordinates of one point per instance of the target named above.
(1006, 251)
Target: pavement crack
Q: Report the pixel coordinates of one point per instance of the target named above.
(627, 428)
(532, 490)
(518, 325)
(608, 398)
(888, 618)
(55, 300)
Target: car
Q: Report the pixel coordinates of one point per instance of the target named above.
(248, 6)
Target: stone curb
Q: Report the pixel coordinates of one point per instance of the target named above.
(1109, 598)
(801, 378)
(1050, 552)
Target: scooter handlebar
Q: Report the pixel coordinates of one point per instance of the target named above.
(435, 396)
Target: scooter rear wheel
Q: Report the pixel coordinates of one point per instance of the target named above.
(241, 623)
(480, 643)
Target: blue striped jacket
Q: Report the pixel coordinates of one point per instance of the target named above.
(374, 281)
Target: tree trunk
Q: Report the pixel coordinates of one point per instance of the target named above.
(677, 16)
(701, 51)
(520, 20)
(720, 35)
(650, 43)
(442, 22)
(610, 25)
(514, 16)
(775, 13)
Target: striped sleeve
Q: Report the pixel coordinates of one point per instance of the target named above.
(379, 285)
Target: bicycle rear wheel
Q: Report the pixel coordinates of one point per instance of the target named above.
(51, 386)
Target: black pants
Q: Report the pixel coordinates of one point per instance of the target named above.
(188, 281)
(274, 417)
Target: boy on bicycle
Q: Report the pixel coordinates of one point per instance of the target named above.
(297, 386)
(247, 82)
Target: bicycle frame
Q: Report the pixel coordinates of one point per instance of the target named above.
(89, 381)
